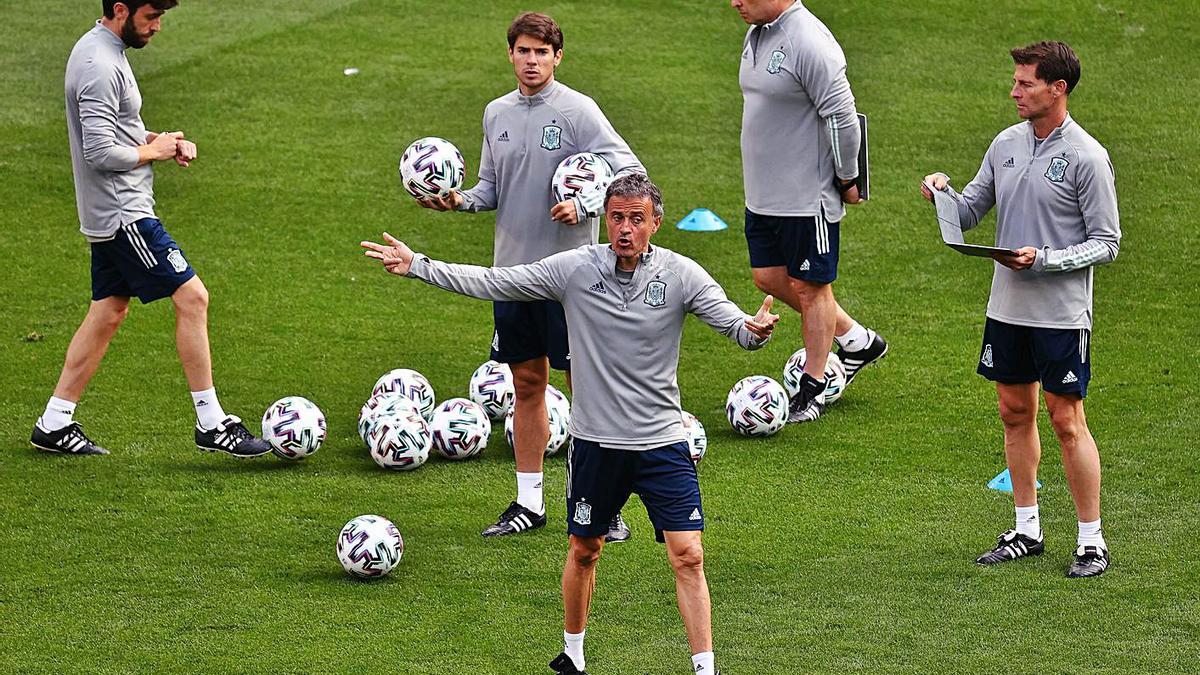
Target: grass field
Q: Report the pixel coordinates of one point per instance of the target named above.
(842, 546)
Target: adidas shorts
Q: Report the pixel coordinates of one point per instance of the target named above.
(1059, 358)
(806, 245)
(600, 480)
(142, 260)
(530, 330)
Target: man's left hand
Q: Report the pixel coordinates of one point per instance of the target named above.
(1022, 261)
(764, 321)
(565, 212)
(396, 256)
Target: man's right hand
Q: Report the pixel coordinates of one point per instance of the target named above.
(939, 181)
(396, 256)
(450, 202)
(160, 148)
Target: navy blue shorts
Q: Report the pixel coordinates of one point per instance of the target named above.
(806, 245)
(530, 330)
(142, 260)
(600, 480)
(1059, 358)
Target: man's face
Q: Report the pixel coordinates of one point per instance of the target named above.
(758, 12)
(139, 27)
(533, 61)
(1034, 97)
(631, 222)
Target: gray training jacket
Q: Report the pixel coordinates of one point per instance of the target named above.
(624, 338)
(1058, 196)
(524, 139)
(799, 123)
(104, 124)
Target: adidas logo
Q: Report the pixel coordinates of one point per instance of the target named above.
(503, 136)
(598, 287)
(199, 404)
(804, 266)
(1070, 378)
(1009, 164)
(695, 515)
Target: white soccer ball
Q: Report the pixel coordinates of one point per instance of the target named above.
(409, 384)
(431, 167)
(460, 428)
(294, 427)
(579, 172)
(558, 410)
(381, 405)
(400, 440)
(492, 387)
(697, 438)
(757, 406)
(835, 376)
(369, 546)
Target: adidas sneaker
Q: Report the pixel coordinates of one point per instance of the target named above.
(232, 438)
(1090, 561)
(808, 404)
(617, 530)
(514, 520)
(69, 440)
(563, 665)
(1012, 545)
(855, 361)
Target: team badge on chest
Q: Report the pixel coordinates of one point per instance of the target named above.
(656, 293)
(1057, 170)
(551, 137)
(776, 61)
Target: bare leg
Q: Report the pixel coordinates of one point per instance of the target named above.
(691, 588)
(191, 333)
(1081, 458)
(531, 426)
(775, 280)
(88, 346)
(1022, 447)
(579, 580)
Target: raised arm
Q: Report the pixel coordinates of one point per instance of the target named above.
(709, 303)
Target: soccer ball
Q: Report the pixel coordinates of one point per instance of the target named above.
(558, 409)
(400, 440)
(697, 439)
(757, 406)
(460, 428)
(431, 167)
(492, 387)
(409, 384)
(369, 546)
(579, 172)
(294, 427)
(381, 406)
(835, 376)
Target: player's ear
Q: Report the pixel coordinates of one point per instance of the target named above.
(558, 57)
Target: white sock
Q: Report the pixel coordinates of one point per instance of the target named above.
(58, 414)
(855, 339)
(208, 409)
(1028, 522)
(703, 663)
(1091, 535)
(574, 647)
(529, 493)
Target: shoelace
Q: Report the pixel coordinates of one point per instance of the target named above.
(75, 438)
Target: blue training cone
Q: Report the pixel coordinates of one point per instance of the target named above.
(701, 220)
(1003, 482)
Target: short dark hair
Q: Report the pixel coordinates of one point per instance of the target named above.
(134, 5)
(537, 26)
(1055, 61)
(635, 185)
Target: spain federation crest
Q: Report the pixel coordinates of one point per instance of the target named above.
(551, 137)
(656, 293)
(1057, 170)
(175, 257)
(776, 61)
(583, 513)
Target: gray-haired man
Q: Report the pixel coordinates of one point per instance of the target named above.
(625, 303)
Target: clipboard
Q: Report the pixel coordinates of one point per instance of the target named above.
(951, 228)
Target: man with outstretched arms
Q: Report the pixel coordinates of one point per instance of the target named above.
(526, 133)
(1056, 205)
(132, 254)
(625, 303)
(800, 141)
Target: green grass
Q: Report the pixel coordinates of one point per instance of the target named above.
(841, 546)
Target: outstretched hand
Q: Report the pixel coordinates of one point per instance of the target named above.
(396, 256)
(764, 321)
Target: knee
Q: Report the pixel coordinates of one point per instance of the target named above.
(1068, 424)
(585, 553)
(1016, 414)
(688, 559)
(528, 386)
(766, 284)
(191, 299)
(112, 318)
(807, 292)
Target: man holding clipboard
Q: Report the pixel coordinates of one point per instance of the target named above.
(1053, 187)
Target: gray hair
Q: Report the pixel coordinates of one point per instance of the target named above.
(635, 185)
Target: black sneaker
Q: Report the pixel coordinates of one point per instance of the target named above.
(1012, 545)
(515, 519)
(859, 359)
(1090, 561)
(231, 437)
(563, 665)
(808, 403)
(69, 440)
(617, 530)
